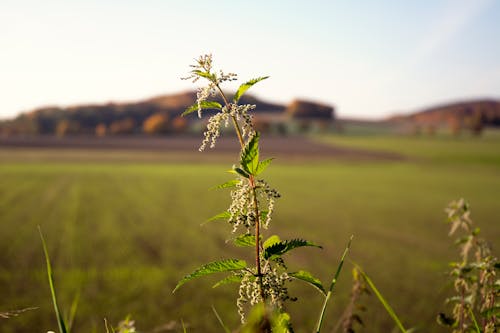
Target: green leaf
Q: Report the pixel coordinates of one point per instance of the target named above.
(263, 165)
(245, 240)
(207, 75)
(278, 249)
(227, 280)
(281, 323)
(309, 278)
(242, 173)
(250, 155)
(228, 184)
(59, 317)
(204, 105)
(245, 86)
(211, 268)
(221, 216)
(274, 239)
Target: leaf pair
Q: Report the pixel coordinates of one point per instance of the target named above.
(249, 159)
(211, 105)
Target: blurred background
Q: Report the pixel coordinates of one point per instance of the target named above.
(378, 115)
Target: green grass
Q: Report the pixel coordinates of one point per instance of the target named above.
(439, 149)
(125, 233)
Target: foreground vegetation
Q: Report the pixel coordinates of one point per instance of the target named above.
(121, 234)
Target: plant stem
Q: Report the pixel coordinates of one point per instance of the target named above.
(235, 122)
(254, 193)
(238, 132)
(257, 237)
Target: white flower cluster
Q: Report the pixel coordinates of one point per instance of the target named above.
(213, 128)
(249, 292)
(223, 117)
(223, 77)
(203, 63)
(270, 195)
(241, 208)
(273, 285)
(202, 94)
(242, 112)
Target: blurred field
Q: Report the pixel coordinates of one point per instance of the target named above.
(122, 229)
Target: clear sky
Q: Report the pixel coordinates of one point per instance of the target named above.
(368, 58)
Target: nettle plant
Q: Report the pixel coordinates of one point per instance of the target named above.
(476, 304)
(263, 283)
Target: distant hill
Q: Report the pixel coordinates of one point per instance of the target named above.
(115, 118)
(160, 114)
(487, 110)
(472, 115)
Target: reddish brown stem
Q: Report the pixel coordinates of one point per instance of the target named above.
(251, 180)
(257, 236)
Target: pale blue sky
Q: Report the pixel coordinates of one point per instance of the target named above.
(368, 58)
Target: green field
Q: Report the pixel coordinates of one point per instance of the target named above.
(122, 232)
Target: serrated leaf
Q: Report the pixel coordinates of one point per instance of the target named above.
(228, 184)
(227, 280)
(245, 86)
(245, 240)
(278, 249)
(250, 155)
(241, 172)
(309, 278)
(263, 165)
(211, 268)
(274, 239)
(204, 105)
(220, 216)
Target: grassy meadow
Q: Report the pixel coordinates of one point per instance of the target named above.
(122, 229)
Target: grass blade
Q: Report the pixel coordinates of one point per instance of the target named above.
(476, 326)
(382, 300)
(226, 329)
(332, 286)
(72, 311)
(60, 320)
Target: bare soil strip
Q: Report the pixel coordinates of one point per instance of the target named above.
(292, 147)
